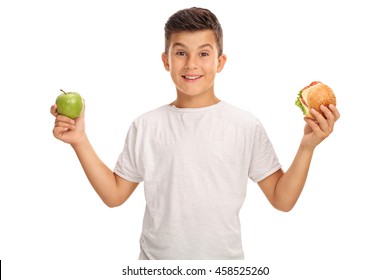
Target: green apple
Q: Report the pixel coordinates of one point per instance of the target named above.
(69, 104)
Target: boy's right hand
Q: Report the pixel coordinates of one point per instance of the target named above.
(71, 131)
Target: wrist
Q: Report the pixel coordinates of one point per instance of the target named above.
(306, 148)
(81, 142)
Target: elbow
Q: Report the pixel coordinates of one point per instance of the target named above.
(112, 203)
(287, 207)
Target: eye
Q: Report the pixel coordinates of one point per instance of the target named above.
(180, 53)
(204, 54)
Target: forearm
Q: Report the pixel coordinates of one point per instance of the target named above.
(291, 183)
(99, 175)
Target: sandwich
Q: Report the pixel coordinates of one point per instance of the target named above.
(313, 96)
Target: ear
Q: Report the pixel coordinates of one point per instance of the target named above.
(221, 62)
(164, 58)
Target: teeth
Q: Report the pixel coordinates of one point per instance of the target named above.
(192, 77)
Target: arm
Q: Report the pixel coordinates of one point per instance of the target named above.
(283, 189)
(111, 188)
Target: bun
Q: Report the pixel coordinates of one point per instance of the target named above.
(319, 94)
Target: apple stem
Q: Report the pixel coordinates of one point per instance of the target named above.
(63, 91)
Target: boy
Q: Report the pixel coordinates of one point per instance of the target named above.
(195, 154)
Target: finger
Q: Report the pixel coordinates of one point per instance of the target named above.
(64, 119)
(53, 110)
(69, 126)
(319, 118)
(335, 112)
(330, 117)
(314, 126)
(327, 112)
(58, 132)
(322, 122)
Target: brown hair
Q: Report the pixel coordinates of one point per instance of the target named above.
(193, 19)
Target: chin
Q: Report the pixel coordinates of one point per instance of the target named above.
(191, 93)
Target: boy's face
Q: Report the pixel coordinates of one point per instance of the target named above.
(193, 62)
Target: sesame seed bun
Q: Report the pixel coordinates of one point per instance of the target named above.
(313, 96)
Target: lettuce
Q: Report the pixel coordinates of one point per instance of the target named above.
(299, 103)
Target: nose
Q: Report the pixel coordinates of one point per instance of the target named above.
(191, 62)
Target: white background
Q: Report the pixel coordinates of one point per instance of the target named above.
(54, 226)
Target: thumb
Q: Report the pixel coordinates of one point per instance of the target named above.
(80, 118)
(83, 110)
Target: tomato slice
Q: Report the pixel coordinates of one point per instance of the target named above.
(311, 84)
(314, 83)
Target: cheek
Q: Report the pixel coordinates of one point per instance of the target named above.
(175, 64)
(212, 67)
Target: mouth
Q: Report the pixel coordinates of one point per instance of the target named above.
(192, 77)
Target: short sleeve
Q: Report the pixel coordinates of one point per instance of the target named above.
(126, 166)
(264, 160)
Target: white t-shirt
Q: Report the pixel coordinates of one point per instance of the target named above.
(195, 164)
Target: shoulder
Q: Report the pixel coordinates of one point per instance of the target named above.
(152, 115)
(241, 115)
(244, 121)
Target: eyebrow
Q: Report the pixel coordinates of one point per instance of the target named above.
(184, 46)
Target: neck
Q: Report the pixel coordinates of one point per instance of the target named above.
(195, 101)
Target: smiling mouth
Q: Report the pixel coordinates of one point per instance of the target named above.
(192, 77)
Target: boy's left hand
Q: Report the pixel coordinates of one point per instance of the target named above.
(316, 131)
